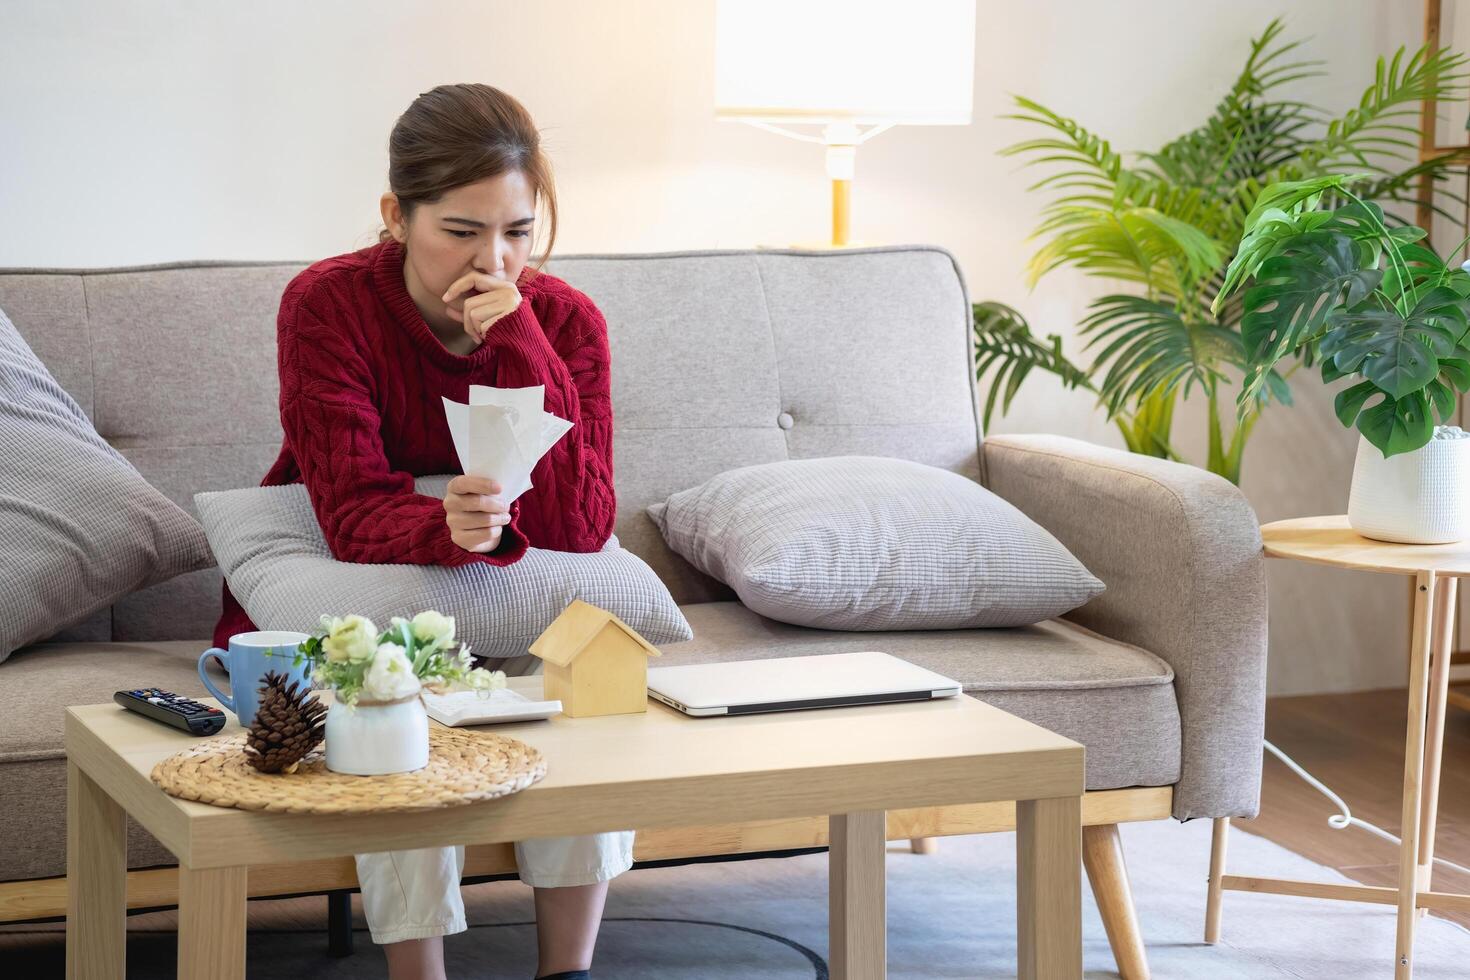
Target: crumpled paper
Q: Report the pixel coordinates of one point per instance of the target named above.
(503, 433)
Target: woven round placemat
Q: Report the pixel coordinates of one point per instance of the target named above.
(464, 767)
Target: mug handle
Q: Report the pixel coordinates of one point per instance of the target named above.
(222, 656)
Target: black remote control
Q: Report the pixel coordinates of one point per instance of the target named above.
(171, 709)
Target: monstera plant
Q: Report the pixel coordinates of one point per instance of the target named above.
(1166, 225)
(1338, 286)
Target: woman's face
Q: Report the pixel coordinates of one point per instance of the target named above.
(481, 227)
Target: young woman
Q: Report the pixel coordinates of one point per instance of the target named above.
(368, 342)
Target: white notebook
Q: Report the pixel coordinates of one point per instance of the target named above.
(459, 708)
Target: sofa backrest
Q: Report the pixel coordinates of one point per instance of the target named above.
(720, 359)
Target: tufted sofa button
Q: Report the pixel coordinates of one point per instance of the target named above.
(785, 421)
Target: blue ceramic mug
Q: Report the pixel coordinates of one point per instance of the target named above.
(246, 661)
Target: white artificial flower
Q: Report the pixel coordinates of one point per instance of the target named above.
(391, 675)
(481, 679)
(353, 638)
(433, 629)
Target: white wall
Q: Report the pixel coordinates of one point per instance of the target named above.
(150, 132)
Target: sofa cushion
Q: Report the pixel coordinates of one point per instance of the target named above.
(1117, 700)
(79, 527)
(280, 568)
(32, 762)
(872, 543)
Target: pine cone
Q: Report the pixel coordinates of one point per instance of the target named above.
(287, 725)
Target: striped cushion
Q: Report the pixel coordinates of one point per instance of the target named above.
(872, 543)
(280, 568)
(79, 526)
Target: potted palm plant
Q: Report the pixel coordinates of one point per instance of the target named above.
(1165, 226)
(1331, 283)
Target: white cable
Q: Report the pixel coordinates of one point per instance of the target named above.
(1345, 819)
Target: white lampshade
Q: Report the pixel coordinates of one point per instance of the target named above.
(852, 61)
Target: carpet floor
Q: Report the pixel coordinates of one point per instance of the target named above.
(949, 915)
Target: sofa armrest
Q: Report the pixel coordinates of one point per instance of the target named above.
(1179, 549)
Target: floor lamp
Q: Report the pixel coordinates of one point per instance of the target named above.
(841, 65)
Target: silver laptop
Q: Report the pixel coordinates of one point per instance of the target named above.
(832, 680)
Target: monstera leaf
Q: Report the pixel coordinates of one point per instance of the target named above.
(1416, 267)
(1295, 290)
(1398, 353)
(1398, 425)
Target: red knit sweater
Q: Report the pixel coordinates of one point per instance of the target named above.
(362, 375)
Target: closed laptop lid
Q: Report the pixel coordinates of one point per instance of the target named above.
(793, 679)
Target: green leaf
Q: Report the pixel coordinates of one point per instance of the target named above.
(1275, 228)
(1294, 292)
(1349, 402)
(1136, 244)
(1421, 265)
(1072, 141)
(1456, 372)
(1388, 113)
(1278, 388)
(1004, 344)
(1331, 372)
(1150, 350)
(1442, 396)
(1398, 353)
(1398, 425)
(1296, 195)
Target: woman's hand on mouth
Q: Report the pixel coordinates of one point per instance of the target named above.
(487, 301)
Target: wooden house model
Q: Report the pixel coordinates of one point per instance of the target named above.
(594, 663)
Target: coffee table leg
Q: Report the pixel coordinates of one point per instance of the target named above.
(857, 919)
(96, 881)
(212, 924)
(1049, 889)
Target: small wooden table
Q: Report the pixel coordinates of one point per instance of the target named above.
(1437, 570)
(655, 769)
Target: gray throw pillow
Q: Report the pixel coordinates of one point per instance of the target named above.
(79, 526)
(871, 543)
(280, 568)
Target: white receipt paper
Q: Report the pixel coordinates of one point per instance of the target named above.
(503, 433)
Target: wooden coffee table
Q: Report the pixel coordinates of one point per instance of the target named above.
(657, 769)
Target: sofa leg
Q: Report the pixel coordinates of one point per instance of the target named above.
(339, 923)
(924, 845)
(1102, 856)
(1217, 879)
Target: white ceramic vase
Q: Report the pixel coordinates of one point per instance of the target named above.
(374, 739)
(1422, 497)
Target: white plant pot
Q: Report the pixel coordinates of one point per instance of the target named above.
(1422, 497)
(377, 739)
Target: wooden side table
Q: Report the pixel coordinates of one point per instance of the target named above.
(1436, 571)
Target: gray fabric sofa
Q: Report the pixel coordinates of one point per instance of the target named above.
(720, 359)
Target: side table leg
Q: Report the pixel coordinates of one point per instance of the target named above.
(1445, 600)
(1425, 587)
(212, 923)
(96, 881)
(857, 916)
(1049, 889)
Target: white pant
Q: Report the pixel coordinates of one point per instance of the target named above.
(415, 894)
